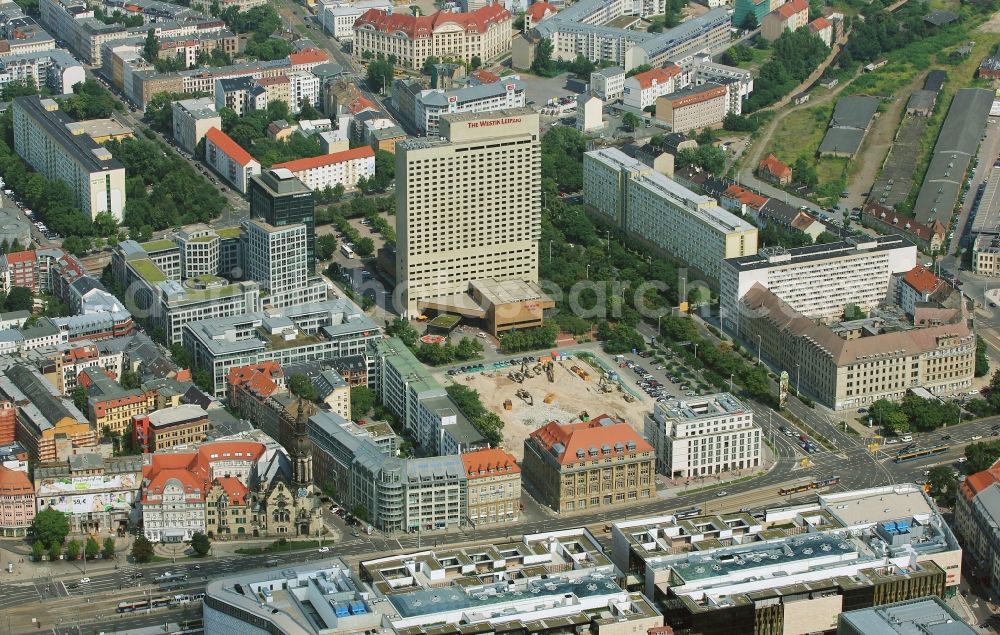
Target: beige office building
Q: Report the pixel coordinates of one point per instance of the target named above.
(468, 207)
(650, 207)
(694, 107)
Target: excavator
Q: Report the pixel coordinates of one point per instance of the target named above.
(550, 371)
(526, 396)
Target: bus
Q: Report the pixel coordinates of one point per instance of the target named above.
(687, 513)
(347, 251)
(915, 455)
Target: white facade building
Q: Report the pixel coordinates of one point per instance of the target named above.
(55, 69)
(688, 226)
(229, 160)
(589, 113)
(703, 435)
(608, 83)
(276, 256)
(330, 170)
(642, 89)
(192, 118)
(431, 104)
(303, 86)
(821, 280)
(338, 18)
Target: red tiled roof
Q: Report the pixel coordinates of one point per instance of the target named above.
(745, 196)
(192, 469)
(976, 483)
(486, 77)
(309, 163)
(656, 75)
(922, 280)
(789, 9)
(236, 491)
(14, 482)
(20, 256)
(819, 24)
(360, 104)
(272, 81)
(771, 164)
(489, 462)
(309, 55)
(478, 21)
(232, 149)
(590, 436)
(537, 11)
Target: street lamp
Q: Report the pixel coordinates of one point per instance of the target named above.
(758, 349)
(731, 375)
(550, 251)
(797, 375)
(609, 240)
(588, 272)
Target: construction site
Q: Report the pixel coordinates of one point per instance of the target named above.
(529, 395)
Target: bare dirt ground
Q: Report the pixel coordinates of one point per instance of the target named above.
(572, 396)
(990, 26)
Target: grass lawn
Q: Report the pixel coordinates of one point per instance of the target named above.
(800, 133)
(759, 57)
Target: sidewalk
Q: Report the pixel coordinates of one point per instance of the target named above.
(18, 552)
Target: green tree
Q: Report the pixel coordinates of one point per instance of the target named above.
(200, 543)
(475, 63)
(73, 549)
(364, 246)
(582, 67)
(302, 386)
(890, 416)
(982, 361)
(18, 299)
(705, 137)
(37, 550)
(19, 88)
(180, 355)
(362, 401)
(630, 122)
(50, 526)
(109, 548)
(326, 246)
(401, 328)
(942, 484)
(129, 379)
(203, 379)
(74, 245)
(151, 47)
(55, 550)
(543, 64)
(749, 22)
(142, 549)
(981, 455)
(92, 548)
(80, 399)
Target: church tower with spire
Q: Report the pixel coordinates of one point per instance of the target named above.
(302, 468)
